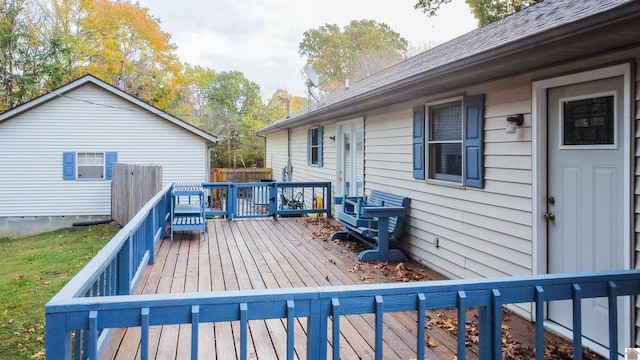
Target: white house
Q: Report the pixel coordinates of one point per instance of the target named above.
(56, 153)
(517, 144)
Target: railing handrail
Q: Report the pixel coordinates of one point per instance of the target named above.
(445, 290)
(81, 282)
(320, 304)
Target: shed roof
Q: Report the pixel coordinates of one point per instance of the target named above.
(90, 79)
(548, 32)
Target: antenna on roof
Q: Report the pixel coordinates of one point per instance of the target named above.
(312, 81)
(122, 85)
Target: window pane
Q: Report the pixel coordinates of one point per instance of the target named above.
(589, 121)
(314, 137)
(446, 161)
(90, 165)
(446, 122)
(90, 172)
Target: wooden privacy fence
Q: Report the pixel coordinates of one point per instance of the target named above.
(240, 175)
(131, 188)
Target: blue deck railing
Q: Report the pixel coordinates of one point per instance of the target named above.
(267, 199)
(96, 301)
(114, 271)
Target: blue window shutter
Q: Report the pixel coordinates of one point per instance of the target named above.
(320, 142)
(473, 144)
(309, 147)
(68, 165)
(418, 142)
(110, 158)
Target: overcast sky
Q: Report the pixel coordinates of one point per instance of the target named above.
(260, 38)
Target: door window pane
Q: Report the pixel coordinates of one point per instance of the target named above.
(589, 121)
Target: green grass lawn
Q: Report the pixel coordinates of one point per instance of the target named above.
(32, 270)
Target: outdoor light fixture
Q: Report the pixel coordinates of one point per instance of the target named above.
(513, 122)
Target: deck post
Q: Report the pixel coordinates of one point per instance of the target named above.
(150, 234)
(612, 292)
(232, 200)
(58, 339)
(494, 327)
(317, 330)
(327, 200)
(273, 200)
(124, 268)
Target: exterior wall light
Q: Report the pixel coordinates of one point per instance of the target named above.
(513, 122)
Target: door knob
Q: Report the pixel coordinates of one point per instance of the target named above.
(550, 216)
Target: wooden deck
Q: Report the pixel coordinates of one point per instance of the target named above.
(290, 252)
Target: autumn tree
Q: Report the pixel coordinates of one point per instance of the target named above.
(360, 49)
(45, 44)
(30, 56)
(485, 11)
(120, 35)
(193, 103)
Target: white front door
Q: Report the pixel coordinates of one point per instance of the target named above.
(350, 167)
(586, 192)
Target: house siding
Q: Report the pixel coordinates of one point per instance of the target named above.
(481, 233)
(276, 153)
(87, 119)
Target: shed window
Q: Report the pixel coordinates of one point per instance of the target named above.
(88, 165)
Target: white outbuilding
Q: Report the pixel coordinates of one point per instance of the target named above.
(56, 153)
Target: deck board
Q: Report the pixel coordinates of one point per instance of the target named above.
(269, 254)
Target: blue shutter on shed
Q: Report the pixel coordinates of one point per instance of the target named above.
(110, 157)
(473, 141)
(320, 141)
(418, 142)
(68, 165)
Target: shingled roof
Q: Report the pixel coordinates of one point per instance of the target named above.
(543, 23)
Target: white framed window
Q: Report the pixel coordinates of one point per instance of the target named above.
(90, 165)
(314, 146)
(448, 143)
(444, 143)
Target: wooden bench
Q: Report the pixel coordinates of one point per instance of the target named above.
(376, 220)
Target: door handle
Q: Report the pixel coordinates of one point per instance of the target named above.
(550, 216)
